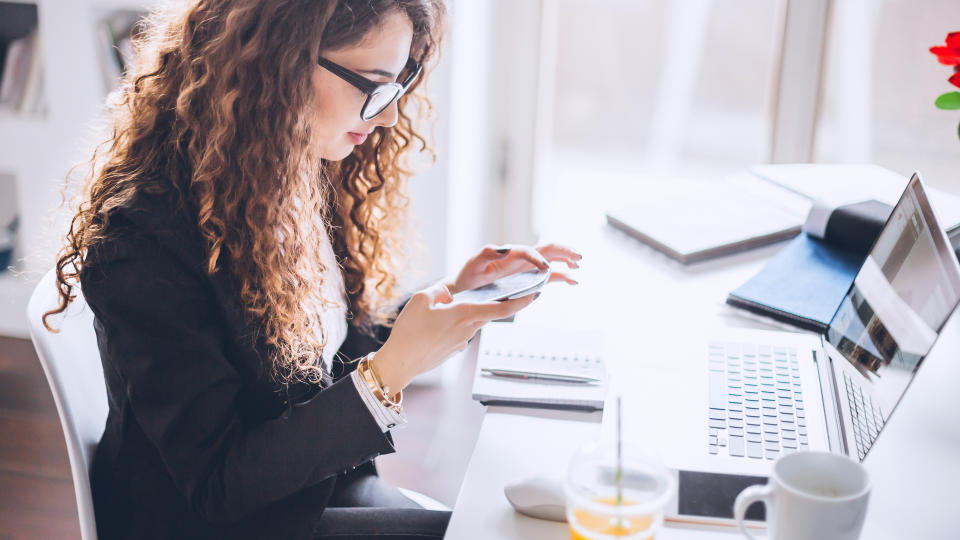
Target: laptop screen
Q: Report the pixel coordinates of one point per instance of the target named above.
(905, 291)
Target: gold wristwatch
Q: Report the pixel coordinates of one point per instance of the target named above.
(376, 386)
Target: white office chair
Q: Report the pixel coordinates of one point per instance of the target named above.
(71, 362)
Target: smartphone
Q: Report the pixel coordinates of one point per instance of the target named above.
(706, 498)
(506, 288)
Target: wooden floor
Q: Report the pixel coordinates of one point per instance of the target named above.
(36, 491)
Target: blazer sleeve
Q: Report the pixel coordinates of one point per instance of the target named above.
(165, 339)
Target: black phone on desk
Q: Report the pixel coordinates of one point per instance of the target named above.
(706, 498)
(506, 288)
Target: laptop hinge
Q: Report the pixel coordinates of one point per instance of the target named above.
(836, 438)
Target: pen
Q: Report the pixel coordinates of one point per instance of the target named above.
(515, 374)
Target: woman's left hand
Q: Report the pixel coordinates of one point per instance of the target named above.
(495, 262)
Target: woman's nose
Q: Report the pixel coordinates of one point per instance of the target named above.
(388, 118)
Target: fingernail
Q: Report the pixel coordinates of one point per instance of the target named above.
(503, 250)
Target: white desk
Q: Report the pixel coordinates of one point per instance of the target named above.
(649, 307)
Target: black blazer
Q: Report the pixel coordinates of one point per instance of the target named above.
(199, 441)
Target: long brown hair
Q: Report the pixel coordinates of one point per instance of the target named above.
(213, 111)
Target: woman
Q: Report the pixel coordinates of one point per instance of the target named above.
(238, 242)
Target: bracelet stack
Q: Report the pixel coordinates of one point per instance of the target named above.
(379, 390)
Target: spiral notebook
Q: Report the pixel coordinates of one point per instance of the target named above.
(557, 351)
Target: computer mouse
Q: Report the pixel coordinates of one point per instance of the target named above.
(538, 496)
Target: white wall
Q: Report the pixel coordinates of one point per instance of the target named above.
(471, 169)
(517, 116)
(453, 199)
(39, 150)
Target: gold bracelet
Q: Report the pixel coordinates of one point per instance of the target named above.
(372, 380)
(393, 398)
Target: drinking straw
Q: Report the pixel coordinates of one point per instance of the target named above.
(619, 476)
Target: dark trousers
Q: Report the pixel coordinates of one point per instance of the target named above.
(365, 507)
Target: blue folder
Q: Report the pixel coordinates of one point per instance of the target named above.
(802, 285)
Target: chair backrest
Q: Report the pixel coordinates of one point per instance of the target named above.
(71, 362)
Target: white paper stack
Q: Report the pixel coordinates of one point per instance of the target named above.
(839, 184)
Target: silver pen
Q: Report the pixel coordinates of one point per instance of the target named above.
(516, 374)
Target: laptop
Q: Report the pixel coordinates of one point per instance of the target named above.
(767, 393)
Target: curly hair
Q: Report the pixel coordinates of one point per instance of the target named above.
(214, 112)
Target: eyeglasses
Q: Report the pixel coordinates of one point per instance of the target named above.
(379, 96)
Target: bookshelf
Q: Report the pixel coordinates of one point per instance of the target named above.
(38, 146)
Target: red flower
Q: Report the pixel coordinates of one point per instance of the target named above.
(949, 55)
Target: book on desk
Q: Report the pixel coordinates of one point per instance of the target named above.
(563, 367)
(804, 284)
(692, 221)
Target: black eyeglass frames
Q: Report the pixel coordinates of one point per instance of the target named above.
(379, 96)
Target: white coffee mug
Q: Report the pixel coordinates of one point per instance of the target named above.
(810, 495)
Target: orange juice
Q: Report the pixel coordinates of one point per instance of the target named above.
(607, 524)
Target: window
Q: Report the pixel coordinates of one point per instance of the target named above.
(879, 87)
(665, 88)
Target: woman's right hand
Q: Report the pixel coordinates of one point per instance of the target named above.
(428, 331)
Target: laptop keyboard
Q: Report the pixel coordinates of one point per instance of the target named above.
(756, 405)
(867, 416)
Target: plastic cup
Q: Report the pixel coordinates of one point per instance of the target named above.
(594, 510)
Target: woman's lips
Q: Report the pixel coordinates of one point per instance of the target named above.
(357, 138)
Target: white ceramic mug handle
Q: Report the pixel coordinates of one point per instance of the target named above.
(747, 497)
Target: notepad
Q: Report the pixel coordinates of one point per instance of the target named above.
(559, 351)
